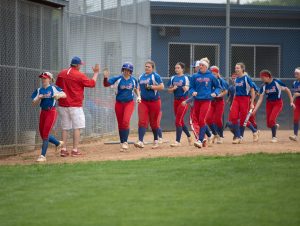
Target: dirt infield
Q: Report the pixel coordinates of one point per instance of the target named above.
(96, 150)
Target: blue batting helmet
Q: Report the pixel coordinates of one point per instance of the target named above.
(127, 66)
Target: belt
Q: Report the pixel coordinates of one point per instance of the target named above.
(48, 108)
(181, 98)
(274, 100)
(217, 99)
(150, 100)
(124, 101)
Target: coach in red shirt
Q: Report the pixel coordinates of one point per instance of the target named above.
(73, 82)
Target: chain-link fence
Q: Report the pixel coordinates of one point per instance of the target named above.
(43, 37)
(37, 37)
(262, 34)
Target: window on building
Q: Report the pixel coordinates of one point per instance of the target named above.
(209, 51)
(256, 58)
(179, 53)
(190, 52)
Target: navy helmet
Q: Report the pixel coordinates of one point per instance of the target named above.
(128, 66)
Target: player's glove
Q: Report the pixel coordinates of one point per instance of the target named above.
(148, 87)
(57, 96)
(138, 100)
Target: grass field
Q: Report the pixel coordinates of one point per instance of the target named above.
(247, 190)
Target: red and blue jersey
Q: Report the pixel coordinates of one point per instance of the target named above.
(47, 101)
(204, 84)
(149, 79)
(124, 87)
(223, 84)
(296, 87)
(180, 82)
(273, 89)
(256, 88)
(243, 85)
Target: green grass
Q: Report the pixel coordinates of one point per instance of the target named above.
(248, 190)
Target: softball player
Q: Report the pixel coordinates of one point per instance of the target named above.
(272, 88)
(149, 109)
(252, 120)
(216, 110)
(193, 117)
(252, 125)
(244, 93)
(179, 86)
(296, 97)
(203, 86)
(124, 85)
(46, 96)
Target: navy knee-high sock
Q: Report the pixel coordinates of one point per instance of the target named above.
(178, 133)
(296, 127)
(53, 140)
(207, 132)
(186, 131)
(202, 133)
(155, 133)
(220, 131)
(142, 132)
(126, 135)
(213, 128)
(159, 132)
(236, 130)
(274, 129)
(252, 128)
(121, 136)
(242, 130)
(45, 147)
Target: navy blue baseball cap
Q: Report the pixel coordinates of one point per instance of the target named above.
(76, 60)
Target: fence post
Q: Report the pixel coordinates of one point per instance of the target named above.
(227, 55)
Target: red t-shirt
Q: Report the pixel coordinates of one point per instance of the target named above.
(72, 82)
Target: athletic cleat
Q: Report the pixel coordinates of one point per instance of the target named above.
(139, 144)
(175, 144)
(64, 153)
(256, 136)
(125, 146)
(160, 141)
(75, 153)
(211, 139)
(41, 158)
(155, 144)
(190, 140)
(204, 143)
(220, 140)
(215, 138)
(59, 147)
(293, 137)
(237, 141)
(241, 140)
(198, 144)
(274, 140)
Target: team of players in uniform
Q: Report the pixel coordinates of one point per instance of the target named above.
(204, 91)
